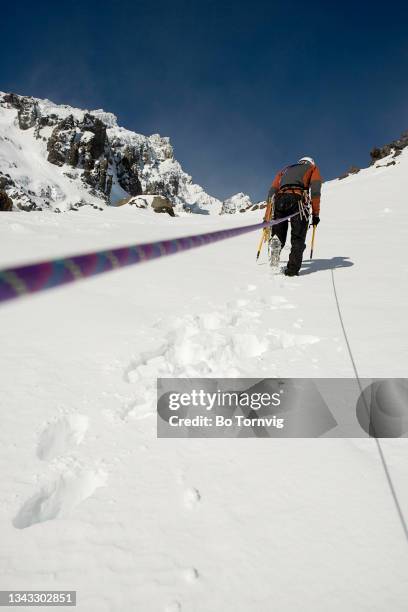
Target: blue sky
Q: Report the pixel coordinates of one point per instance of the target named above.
(241, 88)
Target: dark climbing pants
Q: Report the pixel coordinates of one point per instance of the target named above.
(287, 204)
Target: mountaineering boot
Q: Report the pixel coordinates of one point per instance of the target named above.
(289, 272)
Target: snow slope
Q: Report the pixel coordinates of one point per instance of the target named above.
(92, 501)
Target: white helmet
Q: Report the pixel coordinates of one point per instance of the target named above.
(309, 160)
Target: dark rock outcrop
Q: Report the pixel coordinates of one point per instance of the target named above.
(6, 203)
(162, 204)
(127, 170)
(20, 198)
(394, 148)
(351, 170)
(61, 144)
(159, 203)
(167, 188)
(27, 110)
(82, 144)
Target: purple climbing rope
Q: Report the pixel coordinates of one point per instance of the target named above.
(23, 280)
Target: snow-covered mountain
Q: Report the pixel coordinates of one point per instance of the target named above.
(60, 158)
(240, 202)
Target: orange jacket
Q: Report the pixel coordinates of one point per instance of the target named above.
(302, 176)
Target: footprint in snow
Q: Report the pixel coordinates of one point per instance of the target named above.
(61, 436)
(190, 575)
(59, 497)
(192, 497)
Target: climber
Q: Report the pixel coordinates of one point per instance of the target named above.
(291, 192)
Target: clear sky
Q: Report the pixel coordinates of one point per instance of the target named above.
(241, 88)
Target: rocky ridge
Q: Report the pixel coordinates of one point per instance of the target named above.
(390, 151)
(96, 162)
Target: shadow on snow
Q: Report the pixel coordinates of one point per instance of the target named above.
(316, 265)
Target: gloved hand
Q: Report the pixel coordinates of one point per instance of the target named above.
(315, 220)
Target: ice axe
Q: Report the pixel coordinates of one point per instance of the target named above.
(261, 243)
(312, 243)
(266, 230)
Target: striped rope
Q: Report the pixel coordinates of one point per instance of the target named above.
(23, 280)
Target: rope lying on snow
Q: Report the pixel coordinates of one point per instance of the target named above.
(23, 280)
(377, 441)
